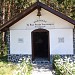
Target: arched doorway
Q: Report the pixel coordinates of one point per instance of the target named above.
(40, 44)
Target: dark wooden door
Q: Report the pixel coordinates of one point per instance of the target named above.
(40, 44)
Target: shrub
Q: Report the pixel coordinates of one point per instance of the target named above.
(64, 66)
(23, 68)
(55, 57)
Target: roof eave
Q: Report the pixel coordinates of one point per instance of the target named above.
(57, 13)
(18, 17)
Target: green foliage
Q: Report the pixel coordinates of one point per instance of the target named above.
(55, 57)
(0, 41)
(60, 1)
(4, 51)
(64, 67)
(66, 7)
(3, 58)
(22, 68)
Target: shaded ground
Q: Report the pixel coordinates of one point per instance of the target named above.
(4, 58)
(42, 69)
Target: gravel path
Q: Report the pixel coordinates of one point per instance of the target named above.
(42, 69)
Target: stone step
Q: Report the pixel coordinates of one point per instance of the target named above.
(40, 62)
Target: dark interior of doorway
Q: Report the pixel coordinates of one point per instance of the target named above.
(40, 42)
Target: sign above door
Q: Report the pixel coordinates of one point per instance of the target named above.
(40, 24)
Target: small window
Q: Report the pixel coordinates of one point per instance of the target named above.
(20, 40)
(61, 40)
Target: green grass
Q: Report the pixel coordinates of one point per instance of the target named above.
(8, 68)
(5, 68)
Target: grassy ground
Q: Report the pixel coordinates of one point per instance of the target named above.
(5, 67)
(8, 68)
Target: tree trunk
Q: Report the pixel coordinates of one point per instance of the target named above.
(9, 8)
(3, 11)
(2, 43)
(0, 40)
(13, 8)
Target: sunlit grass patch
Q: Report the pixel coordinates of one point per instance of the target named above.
(24, 67)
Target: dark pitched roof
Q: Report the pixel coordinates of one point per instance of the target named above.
(29, 10)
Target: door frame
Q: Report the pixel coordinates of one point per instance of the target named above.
(40, 30)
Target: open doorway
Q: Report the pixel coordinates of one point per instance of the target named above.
(40, 44)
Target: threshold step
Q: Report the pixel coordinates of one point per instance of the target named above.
(40, 62)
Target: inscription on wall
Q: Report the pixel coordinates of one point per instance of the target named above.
(40, 24)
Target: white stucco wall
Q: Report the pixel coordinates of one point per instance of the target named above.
(23, 47)
(65, 47)
(56, 47)
(60, 29)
